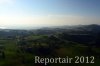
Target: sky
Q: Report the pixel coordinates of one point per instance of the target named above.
(41, 13)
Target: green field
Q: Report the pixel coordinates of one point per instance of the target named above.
(19, 56)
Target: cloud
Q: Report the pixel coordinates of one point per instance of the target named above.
(47, 20)
(7, 1)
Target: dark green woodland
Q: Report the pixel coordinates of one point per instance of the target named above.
(19, 47)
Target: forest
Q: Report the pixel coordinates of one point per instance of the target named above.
(19, 47)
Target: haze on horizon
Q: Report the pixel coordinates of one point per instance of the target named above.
(40, 13)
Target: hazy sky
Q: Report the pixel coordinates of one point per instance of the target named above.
(36, 13)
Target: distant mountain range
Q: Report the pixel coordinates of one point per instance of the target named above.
(77, 28)
(93, 28)
(85, 34)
